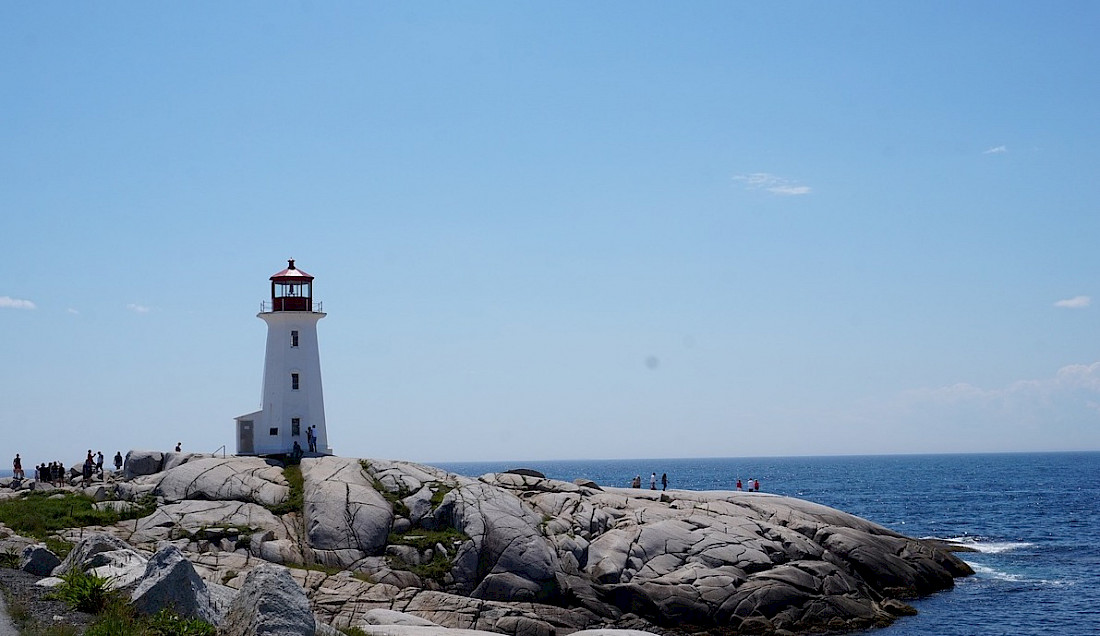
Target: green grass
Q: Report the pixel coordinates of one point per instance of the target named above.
(120, 619)
(38, 515)
(295, 501)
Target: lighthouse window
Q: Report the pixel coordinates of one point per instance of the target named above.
(294, 381)
(295, 426)
(294, 338)
(274, 430)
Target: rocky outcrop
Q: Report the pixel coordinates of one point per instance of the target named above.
(248, 479)
(410, 547)
(343, 511)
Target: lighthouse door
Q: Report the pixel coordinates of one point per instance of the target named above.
(244, 442)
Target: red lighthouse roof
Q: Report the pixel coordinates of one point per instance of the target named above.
(291, 273)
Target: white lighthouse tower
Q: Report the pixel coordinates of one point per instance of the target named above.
(292, 396)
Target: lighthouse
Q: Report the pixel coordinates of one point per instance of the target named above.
(292, 399)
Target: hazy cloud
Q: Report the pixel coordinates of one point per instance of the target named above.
(771, 183)
(996, 150)
(138, 309)
(1077, 302)
(15, 303)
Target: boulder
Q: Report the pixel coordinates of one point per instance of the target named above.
(142, 462)
(270, 603)
(171, 460)
(38, 560)
(170, 581)
(80, 556)
(342, 509)
(248, 479)
(207, 520)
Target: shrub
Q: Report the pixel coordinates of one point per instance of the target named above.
(84, 592)
(10, 558)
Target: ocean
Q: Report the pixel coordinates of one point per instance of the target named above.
(1034, 519)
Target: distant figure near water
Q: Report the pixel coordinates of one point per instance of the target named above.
(17, 467)
(179, 446)
(118, 461)
(664, 481)
(653, 481)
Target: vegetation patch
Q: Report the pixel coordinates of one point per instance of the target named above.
(295, 500)
(89, 593)
(41, 515)
(438, 493)
(422, 540)
(10, 558)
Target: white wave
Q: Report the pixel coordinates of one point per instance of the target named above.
(988, 547)
(984, 571)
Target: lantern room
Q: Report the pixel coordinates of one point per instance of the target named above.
(291, 290)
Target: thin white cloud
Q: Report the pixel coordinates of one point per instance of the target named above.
(7, 302)
(138, 309)
(996, 150)
(771, 183)
(1077, 302)
(72, 311)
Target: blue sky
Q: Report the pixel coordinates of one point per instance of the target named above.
(556, 230)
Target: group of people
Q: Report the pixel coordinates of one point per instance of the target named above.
(54, 472)
(753, 485)
(637, 481)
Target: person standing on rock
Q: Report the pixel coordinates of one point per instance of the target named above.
(99, 463)
(756, 485)
(739, 483)
(118, 461)
(17, 467)
(653, 481)
(179, 446)
(664, 482)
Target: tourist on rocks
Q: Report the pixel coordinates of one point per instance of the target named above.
(179, 446)
(17, 467)
(664, 482)
(739, 483)
(296, 453)
(99, 463)
(118, 461)
(653, 481)
(86, 472)
(756, 485)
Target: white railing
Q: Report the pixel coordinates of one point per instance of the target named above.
(266, 306)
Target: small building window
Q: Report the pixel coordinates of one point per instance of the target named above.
(274, 430)
(294, 338)
(294, 381)
(295, 426)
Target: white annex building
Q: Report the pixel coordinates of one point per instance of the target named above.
(292, 397)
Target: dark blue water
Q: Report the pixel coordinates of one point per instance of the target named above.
(1035, 519)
